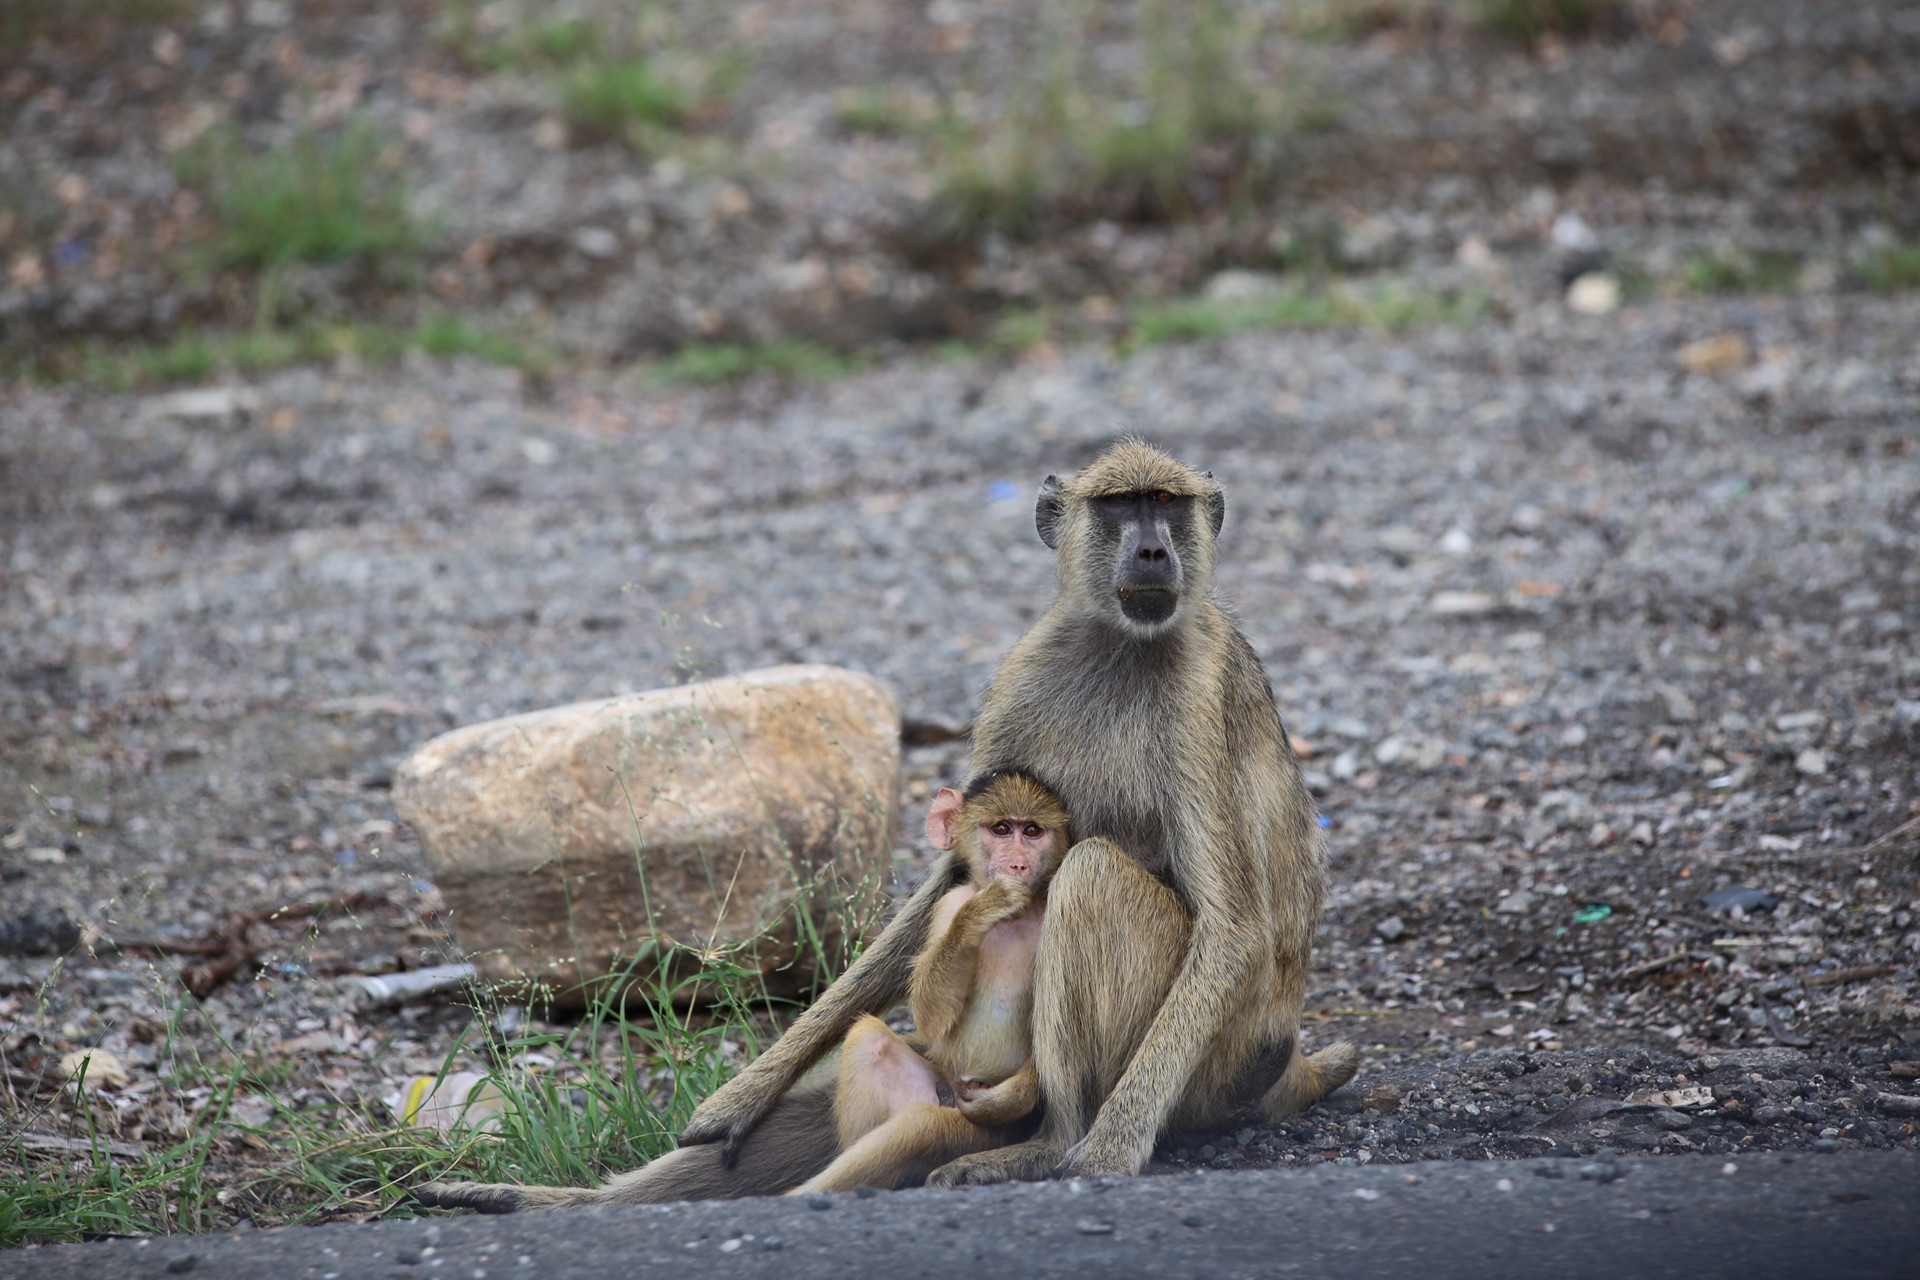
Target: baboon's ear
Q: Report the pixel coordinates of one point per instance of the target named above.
(1216, 506)
(1048, 511)
(942, 818)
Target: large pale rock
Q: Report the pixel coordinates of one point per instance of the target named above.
(746, 816)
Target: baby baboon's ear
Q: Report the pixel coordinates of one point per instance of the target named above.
(1048, 510)
(942, 817)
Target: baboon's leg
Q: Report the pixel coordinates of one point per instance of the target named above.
(901, 1152)
(794, 1142)
(1113, 940)
(880, 1076)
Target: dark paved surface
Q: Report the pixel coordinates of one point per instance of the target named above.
(1848, 1215)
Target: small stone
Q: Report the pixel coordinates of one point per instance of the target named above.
(1093, 1227)
(1514, 904)
(1721, 354)
(819, 1202)
(596, 242)
(1641, 833)
(1240, 286)
(865, 1192)
(1391, 929)
(1825, 1146)
(1382, 1097)
(209, 404)
(1462, 604)
(182, 1262)
(103, 1070)
(1812, 762)
(1899, 1104)
(1192, 1220)
(1571, 232)
(1594, 294)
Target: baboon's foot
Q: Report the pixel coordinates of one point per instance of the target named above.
(1023, 1162)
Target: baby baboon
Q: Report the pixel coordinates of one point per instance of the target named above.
(971, 996)
(1199, 875)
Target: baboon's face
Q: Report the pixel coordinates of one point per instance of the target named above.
(1015, 845)
(1135, 533)
(1146, 538)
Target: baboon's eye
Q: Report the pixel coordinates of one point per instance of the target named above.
(1162, 496)
(1002, 828)
(1032, 830)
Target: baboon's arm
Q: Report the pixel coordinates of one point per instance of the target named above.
(943, 976)
(876, 982)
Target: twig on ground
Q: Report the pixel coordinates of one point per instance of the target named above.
(1835, 977)
(228, 950)
(1646, 967)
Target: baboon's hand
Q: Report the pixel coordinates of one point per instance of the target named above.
(728, 1115)
(1002, 899)
(1100, 1155)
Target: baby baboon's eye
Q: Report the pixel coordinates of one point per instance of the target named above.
(1032, 830)
(1002, 828)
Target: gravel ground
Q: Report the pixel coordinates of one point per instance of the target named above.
(1572, 639)
(1575, 619)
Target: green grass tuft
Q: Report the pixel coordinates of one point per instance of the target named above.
(200, 354)
(1730, 269)
(730, 362)
(1185, 122)
(1528, 20)
(1388, 306)
(627, 98)
(324, 197)
(1887, 267)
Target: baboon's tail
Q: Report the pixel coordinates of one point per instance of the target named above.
(501, 1197)
(1309, 1078)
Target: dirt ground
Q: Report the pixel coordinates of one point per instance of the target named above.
(1576, 623)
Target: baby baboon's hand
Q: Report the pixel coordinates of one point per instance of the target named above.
(1002, 899)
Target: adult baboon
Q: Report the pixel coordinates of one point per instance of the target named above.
(1173, 959)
